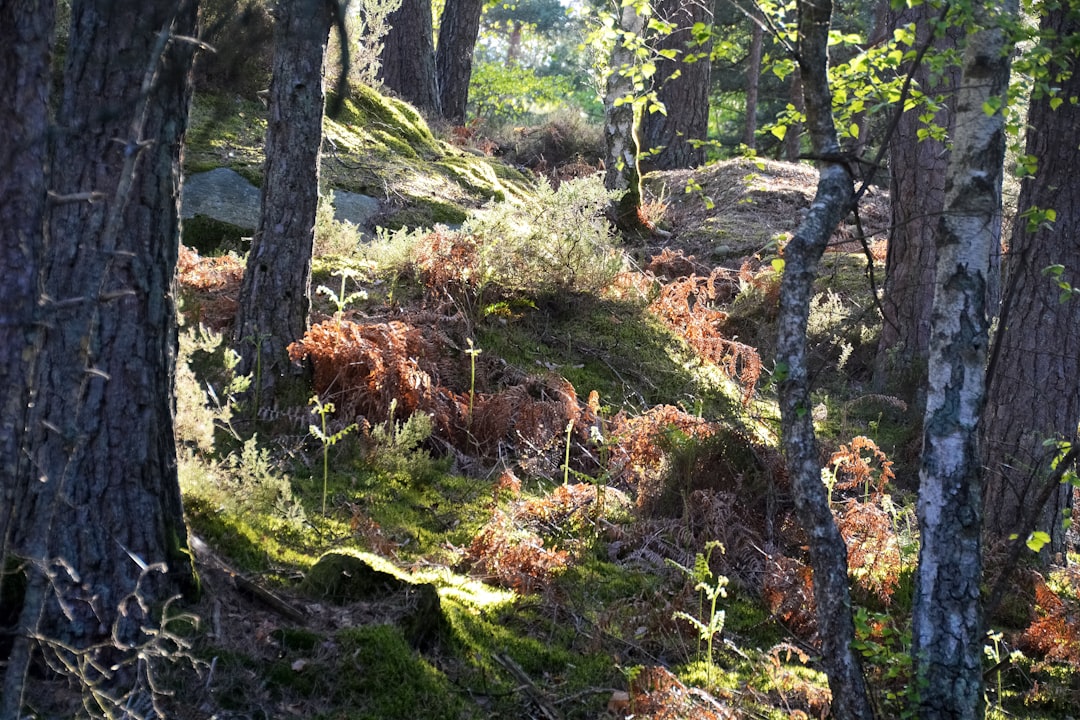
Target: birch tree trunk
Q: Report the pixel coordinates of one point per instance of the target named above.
(620, 123)
(834, 199)
(947, 627)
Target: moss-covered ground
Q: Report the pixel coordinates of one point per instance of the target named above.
(527, 549)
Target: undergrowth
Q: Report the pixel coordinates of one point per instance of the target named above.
(544, 434)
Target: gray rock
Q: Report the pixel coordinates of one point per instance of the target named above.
(221, 194)
(357, 209)
(225, 195)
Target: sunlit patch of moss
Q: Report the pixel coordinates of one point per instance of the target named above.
(594, 584)
(425, 212)
(714, 679)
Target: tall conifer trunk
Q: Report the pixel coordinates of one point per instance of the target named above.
(1034, 387)
(100, 516)
(275, 294)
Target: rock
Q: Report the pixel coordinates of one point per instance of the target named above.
(226, 196)
(223, 195)
(358, 209)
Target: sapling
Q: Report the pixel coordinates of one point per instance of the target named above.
(322, 410)
(711, 587)
(341, 300)
(472, 352)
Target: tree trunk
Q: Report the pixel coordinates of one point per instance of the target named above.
(947, 627)
(753, 76)
(513, 46)
(828, 552)
(1033, 393)
(917, 196)
(26, 32)
(458, 31)
(682, 87)
(100, 511)
(620, 126)
(275, 294)
(793, 137)
(408, 57)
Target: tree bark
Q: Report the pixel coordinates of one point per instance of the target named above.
(793, 137)
(917, 196)
(408, 57)
(275, 293)
(828, 552)
(100, 511)
(620, 126)
(26, 32)
(682, 87)
(1033, 391)
(458, 31)
(753, 77)
(947, 627)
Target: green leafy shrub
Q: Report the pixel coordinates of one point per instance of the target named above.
(333, 237)
(560, 242)
(498, 92)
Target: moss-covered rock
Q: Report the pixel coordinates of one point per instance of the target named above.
(343, 577)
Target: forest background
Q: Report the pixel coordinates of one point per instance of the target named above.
(762, 437)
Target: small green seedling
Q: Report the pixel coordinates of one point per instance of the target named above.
(328, 440)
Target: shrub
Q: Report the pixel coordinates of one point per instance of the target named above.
(560, 242)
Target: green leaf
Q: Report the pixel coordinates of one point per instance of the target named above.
(1037, 540)
(1054, 270)
(778, 264)
(991, 106)
(779, 131)
(854, 130)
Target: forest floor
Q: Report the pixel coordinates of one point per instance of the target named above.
(537, 474)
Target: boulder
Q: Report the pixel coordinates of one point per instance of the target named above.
(222, 195)
(226, 196)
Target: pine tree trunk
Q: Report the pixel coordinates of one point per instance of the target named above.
(917, 196)
(275, 294)
(753, 76)
(408, 57)
(26, 31)
(101, 509)
(947, 627)
(828, 552)
(682, 87)
(1034, 389)
(458, 31)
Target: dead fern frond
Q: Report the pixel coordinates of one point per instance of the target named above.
(687, 306)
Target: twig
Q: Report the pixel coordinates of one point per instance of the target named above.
(548, 710)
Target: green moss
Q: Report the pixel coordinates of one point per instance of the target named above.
(369, 109)
(250, 547)
(347, 576)
(425, 212)
(210, 237)
(387, 680)
(296, 639)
